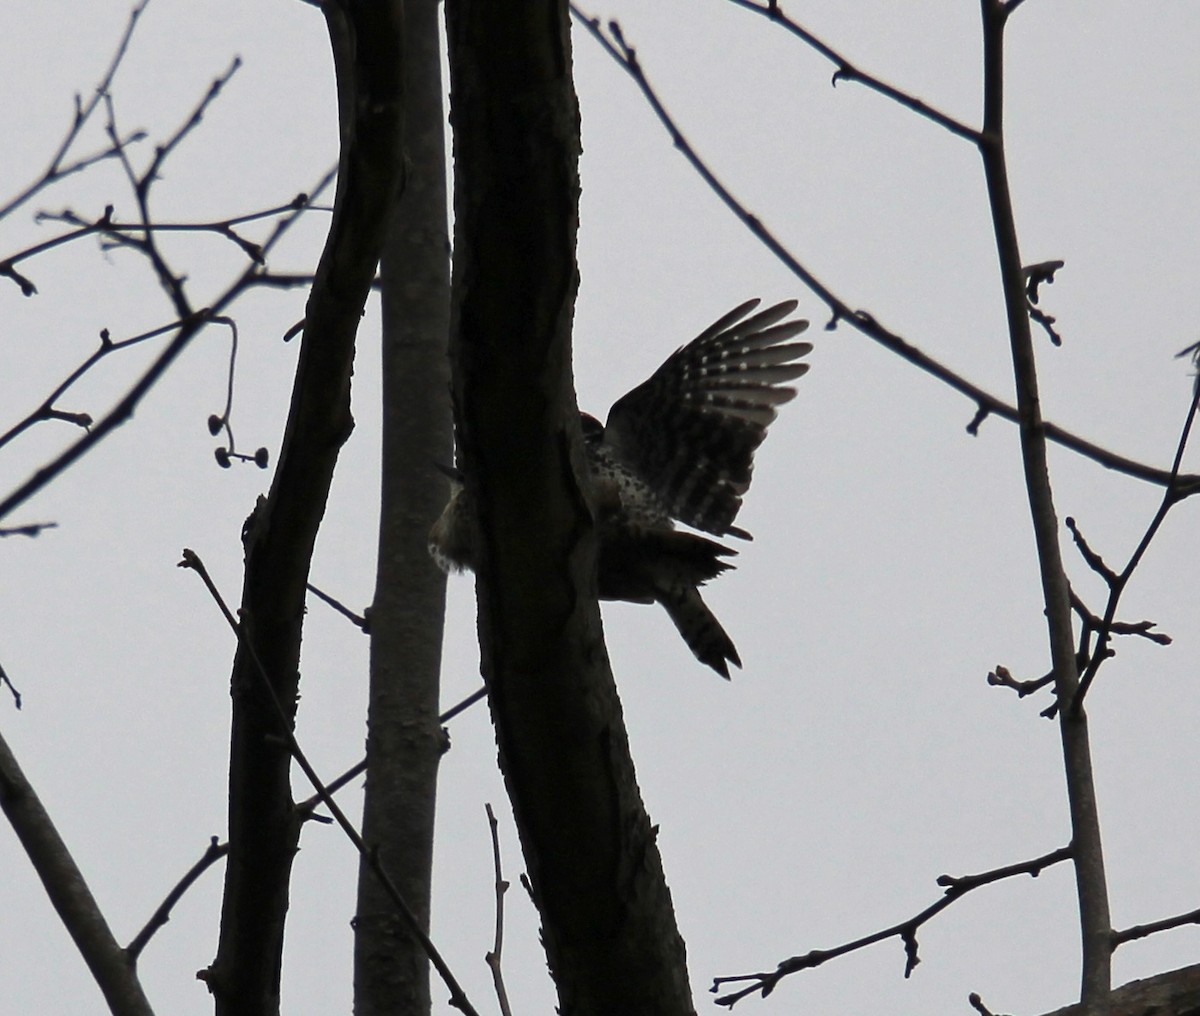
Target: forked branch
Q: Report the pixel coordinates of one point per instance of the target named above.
(614, 44)
(1090, 877)
(955, 886)
(458, 997)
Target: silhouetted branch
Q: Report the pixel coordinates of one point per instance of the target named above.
(143, 182)
(24, 282)
(1094, 560)
(1035, 275)
(189, 327)
(977, 1004)
(282, 280)
(192, 561)
(1001, 677)
(906, 931)
(57, 169)
(462, 706)
(47, 411)
(68, 891)
(120, 234)
(1047, 323)
(626, 57)
(30, 529)
(6, 680)
(1154, 927)
(1108, 625)
(359, 621)
(162, 914)
(847, 71)
(1088, 854)
(493, 955)
(305, 808)
(188, 330)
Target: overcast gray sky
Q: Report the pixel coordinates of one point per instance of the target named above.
(860, 753)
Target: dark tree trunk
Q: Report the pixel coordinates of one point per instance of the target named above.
(607, 921)
(279, 538)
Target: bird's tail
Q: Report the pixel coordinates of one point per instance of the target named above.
(700, 629)
(636, 563)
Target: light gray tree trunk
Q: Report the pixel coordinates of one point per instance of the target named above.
(404, 739)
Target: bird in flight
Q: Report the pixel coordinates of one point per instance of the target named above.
(677, 448)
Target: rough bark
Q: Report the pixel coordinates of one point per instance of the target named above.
(1175, 993)
(404, 738)
(279, 537)
(607, 922)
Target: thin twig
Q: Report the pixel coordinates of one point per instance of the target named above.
(1035, 276)
(1094, 560)
(6, 680)
(955, 886)
(1143, 930)
(1001, 677)
(30, 529)
(124, 409)
(493, 956)
(119, 234)
(847, 71)
(976, 1003)
(358, 620)
(458, 997)
(83, 112)
(462, 706)
(162, 913)
(163, 151)
(1117, 583)
(306, 807)
(47, 410)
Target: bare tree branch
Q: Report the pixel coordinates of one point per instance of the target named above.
(358, 620)
(955, 886)
(12, 688)
(189, 328)
(68, 891)
(119, 234)
(494, 954)
(1090, 877)
(57, 170)
(847, 71)
(1137, 931)
(1117, 583)
(162, 914)
(284, 724)
(48, 411)
(31, 529)
(988, 404)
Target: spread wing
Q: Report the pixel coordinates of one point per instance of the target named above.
(691, 429)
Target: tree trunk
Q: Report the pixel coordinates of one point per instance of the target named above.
(404, 738)
(607, 921)
(279, 537)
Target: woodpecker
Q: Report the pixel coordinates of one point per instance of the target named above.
(678, 447)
